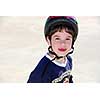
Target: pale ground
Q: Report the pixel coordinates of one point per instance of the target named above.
(22, 45)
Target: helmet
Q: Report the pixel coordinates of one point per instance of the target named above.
(69, 21)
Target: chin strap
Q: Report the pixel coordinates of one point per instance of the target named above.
(56, 56)
(71, 51)
(52, 52)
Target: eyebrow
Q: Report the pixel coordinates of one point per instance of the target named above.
(56, 36)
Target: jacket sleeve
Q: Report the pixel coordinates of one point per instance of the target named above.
(70, 62)
(36, 74)
(71, 65)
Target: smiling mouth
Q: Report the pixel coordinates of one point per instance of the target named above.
(61, 49)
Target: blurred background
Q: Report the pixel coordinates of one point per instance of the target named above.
(22, 45)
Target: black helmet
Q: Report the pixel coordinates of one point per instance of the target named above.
(69, 21)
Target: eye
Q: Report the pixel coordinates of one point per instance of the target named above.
(57, 38)
(67, 38)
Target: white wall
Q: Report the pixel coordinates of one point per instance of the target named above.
(22, 45)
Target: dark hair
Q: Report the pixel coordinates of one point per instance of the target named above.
(59, 28)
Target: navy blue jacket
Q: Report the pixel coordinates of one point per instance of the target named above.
(47, 72)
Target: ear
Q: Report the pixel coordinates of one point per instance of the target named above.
(48, 41)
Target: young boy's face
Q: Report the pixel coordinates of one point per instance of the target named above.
(61, 42)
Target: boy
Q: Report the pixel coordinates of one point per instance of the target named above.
(55, 67)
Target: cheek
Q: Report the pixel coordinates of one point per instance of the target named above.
(54, 46)
(69, 45)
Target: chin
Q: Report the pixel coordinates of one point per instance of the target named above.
(62, 55)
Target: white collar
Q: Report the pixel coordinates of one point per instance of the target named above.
(59, 64)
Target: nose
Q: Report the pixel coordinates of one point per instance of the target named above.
(63, 42)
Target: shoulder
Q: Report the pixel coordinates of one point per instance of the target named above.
(44, 60)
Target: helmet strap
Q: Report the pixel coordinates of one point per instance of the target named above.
(71, 51)
(56, 56)
(52, 52)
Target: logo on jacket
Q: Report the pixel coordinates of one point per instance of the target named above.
(64, 75)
